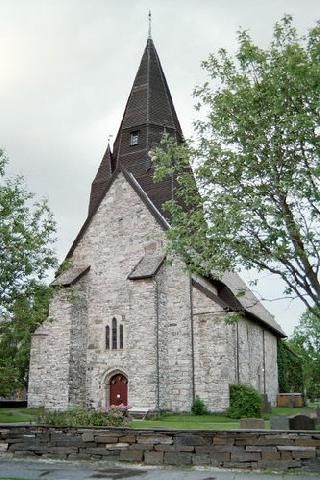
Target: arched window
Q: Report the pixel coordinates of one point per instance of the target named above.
(107, 337)
(121, 336)
(114, 334)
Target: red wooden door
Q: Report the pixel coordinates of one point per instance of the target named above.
(118, 390)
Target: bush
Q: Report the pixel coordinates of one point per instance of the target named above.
(198, 407)
(115, 416)
(245, 401)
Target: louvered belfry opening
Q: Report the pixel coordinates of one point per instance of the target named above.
(149, 113)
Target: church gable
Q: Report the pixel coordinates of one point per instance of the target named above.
(122, 225)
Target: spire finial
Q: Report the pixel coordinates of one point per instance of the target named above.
(149, 18)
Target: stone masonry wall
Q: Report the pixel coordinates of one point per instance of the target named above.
(254, 344)
(175, 350)
(232, 449)
(214, 353)
(50, 357)
(119, 235)
(70, 364)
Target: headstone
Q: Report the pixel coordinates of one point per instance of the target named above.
(252, 423)
(279, 422)
(266, 405)
(302, 422)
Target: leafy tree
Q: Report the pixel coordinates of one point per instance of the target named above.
(256, 163)
(28, 313)
(26, 236)
(290, 367)
(306, 343)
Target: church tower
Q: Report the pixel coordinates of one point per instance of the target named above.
(148, 114)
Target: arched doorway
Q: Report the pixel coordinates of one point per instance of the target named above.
(118, 389)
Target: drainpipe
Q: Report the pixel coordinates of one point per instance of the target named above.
(192, 340)
(238, 354)
(157, 344)
(264, 361)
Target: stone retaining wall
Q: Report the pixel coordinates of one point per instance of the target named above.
(232, 449)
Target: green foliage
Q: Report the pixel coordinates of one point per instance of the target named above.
(290, 372)
(306, 343)
(27, 232)
(256, 164)
(198, 407)
(27, 313)
(245, 401)
(79, 417)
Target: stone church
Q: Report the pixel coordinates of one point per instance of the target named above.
(126, 326)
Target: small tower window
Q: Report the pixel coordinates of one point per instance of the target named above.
(134, 138)
(121, 336)
(114, 334)
(107, 337)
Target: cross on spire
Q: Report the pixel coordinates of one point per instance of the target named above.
(149, 19)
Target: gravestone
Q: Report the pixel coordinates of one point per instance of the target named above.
(279, 422)
(266, 405)
(302, 422)
(252, 423)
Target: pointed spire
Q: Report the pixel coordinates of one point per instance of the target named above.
(149, 112)
(149, 30)
(101, 179)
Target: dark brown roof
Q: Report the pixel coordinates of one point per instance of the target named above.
(150, 112)
(101, 179)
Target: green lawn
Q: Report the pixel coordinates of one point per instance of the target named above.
(184, 422)
(17, 415)
(206, 422)
(12, 478)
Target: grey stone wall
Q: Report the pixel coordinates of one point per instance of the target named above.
(50, 357)
(232, 449)
(175, 347)
(214, 353)
(164, 322)
(258, 358)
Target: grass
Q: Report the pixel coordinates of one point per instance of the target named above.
(207, 422)
(12, 478)
(18, 415)
(183, 422)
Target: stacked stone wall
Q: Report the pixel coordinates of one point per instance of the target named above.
(258, 358)
(175, 341)
(214, 352)
(232, 449)
(50, 356)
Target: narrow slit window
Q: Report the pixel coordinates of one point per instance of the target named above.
(114, 334)
(107, 337)
(134, 138)
(121, 336)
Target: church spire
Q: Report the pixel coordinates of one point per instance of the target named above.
(149, 113)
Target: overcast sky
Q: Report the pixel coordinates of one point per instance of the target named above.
(66, 70)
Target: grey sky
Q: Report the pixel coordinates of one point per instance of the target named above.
(67, 67)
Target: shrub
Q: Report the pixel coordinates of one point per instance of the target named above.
(245, 401)
(198, 407)
(115, 416)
